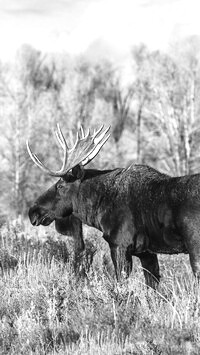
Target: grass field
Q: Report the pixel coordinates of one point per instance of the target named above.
(53, 302)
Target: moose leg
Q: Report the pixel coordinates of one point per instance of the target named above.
(191, 234)
(79, 246)
(122, 260)
(150, 268)
(193, 247)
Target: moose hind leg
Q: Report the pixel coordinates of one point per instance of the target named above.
(193, 247)
(191, 233)
(150, 268)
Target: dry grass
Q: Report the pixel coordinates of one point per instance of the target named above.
(48, 307)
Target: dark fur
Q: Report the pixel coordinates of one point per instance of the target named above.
(139, 211)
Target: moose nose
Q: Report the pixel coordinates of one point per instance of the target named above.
(34, 215)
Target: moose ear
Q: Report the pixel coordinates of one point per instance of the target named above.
(78, 172)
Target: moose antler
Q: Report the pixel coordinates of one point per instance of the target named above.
(84, 150)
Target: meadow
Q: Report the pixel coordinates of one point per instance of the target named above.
(53, 301)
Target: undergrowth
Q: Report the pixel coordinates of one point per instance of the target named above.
(48, 305)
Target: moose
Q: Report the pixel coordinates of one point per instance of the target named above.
(140, 211)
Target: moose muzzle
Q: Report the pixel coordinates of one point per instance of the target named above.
(39, 216)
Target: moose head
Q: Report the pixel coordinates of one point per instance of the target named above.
(57, 203)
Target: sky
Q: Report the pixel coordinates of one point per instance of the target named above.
(112, 27)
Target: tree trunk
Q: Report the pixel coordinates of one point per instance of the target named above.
(17, 164)
(139, 120)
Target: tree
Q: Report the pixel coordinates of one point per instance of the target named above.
(166, 107)
(26, 86)
(175, 105)
(142, 66)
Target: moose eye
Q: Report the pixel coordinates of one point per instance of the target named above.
(59, 186)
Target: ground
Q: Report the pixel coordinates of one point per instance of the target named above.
(54, 302)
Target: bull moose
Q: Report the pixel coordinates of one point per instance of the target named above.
(139, 210)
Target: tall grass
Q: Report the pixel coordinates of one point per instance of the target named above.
(49, 306)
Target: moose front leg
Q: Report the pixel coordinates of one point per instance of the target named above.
(150, 268)
(122, 260)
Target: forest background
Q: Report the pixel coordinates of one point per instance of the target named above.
(153, 108)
